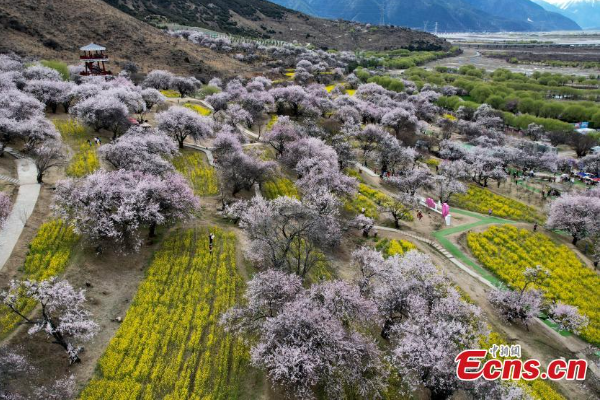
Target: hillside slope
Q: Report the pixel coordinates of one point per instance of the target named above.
(56, 30)
(263, 19)
(450, 15)
(585, 12)
(527, 12)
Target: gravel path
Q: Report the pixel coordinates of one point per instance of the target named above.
(29, 191)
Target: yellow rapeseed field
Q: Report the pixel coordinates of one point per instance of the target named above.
(48, 255)
(279, 187)
(202, 177)
(508, 251)
(85, 160)
(480, 200)
(170, 345)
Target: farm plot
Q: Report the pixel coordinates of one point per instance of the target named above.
(481, 200)
(49, 254)
(507, 251)
(170, 345)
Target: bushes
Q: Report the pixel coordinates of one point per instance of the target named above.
(60, 66)
(202, 177)
(395, 85)
(170, 344)
(48, 255)
(279, 187)
(481, 200)
(508, 251)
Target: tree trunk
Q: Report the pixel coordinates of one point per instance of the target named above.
(180, 143)
(40, 177)
(385, 331)
(152, 230)
(575, 240)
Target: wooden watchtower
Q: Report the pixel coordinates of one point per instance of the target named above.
(94, 60)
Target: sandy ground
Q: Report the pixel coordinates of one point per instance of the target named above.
(474, 57)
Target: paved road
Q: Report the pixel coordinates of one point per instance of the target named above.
(29, 191)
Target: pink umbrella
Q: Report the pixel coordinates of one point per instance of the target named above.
(445, 210)
(430, 203)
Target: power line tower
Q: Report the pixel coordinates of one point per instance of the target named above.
(425, 23)
(436, 26)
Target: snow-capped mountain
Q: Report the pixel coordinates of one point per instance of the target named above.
(446, 15)
(585, 12)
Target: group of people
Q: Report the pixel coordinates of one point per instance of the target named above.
(97, 141)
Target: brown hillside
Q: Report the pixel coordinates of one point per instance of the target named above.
(263, 19)
(56, 29)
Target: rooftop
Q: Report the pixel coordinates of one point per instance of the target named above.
(92, 47)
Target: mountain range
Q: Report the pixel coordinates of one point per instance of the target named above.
(585, 12)
(449, 15)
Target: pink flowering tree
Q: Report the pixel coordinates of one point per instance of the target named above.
(320, 174)
(401, 120)
(181, 123)
(288, 97)
(286, 233)
(18, 112)
(152, 97)
(103, 112)
(185, 86)
(12, 364)
(426, 343)
(39, 72)
(141, 149)
(392, 282)
(46, 156)
(256, 103)
(307, 340)
(568, 318)
(158, 79)
(369, 138)
(363, 223)
(445, 187)
(424, 319)
(63, 316)
(485, 166)
(52, 93)
(391, 156)
(522, 304)
(515, 306)
(283, 133)
(451, 150)
(239, 170)
(114, 206)
(575, 214)
(410, 181)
